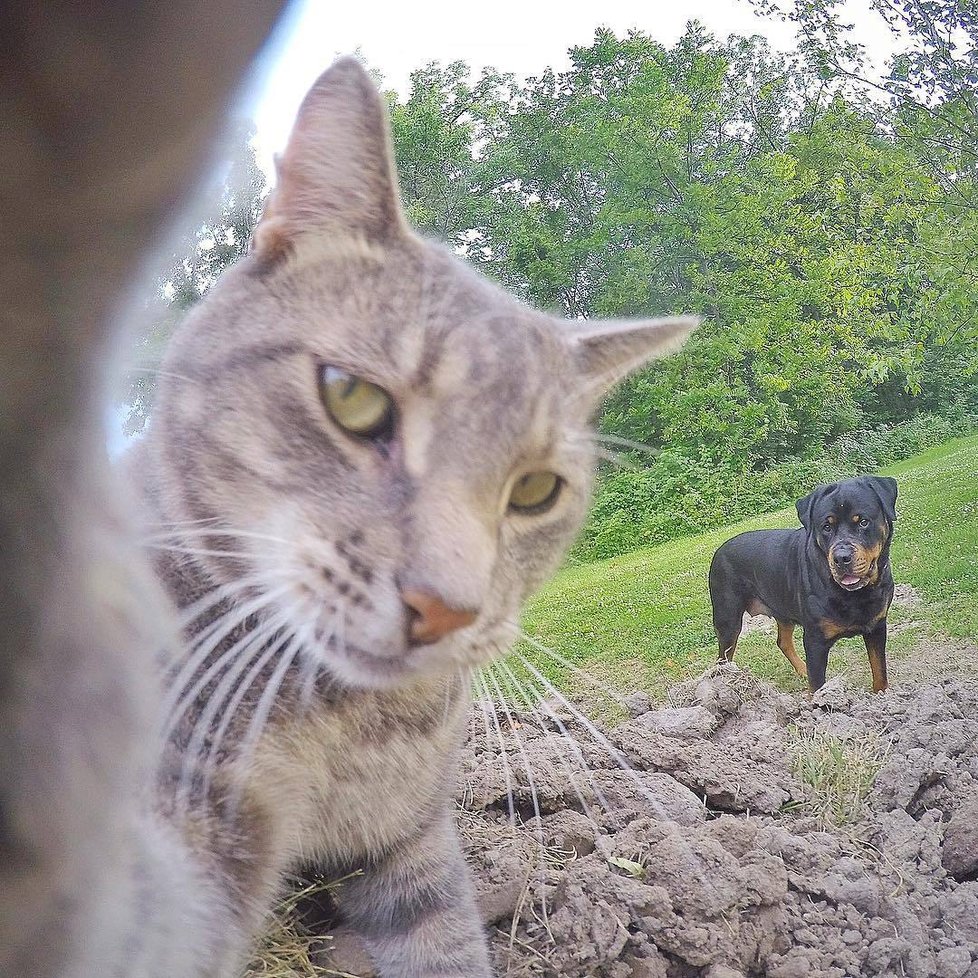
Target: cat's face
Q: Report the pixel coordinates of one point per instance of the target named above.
(400, 447)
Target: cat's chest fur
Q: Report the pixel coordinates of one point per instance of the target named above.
(347, 779)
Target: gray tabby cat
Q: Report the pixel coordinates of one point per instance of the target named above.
(363, 458)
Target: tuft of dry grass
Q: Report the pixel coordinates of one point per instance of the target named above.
(285, 950)
(838, 771)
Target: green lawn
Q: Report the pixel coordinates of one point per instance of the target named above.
(643, 620)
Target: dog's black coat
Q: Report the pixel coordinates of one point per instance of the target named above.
(831, 576)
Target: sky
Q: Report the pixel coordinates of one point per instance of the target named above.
(517, 36)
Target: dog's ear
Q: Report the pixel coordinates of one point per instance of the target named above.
(886, 491)
(806, 506)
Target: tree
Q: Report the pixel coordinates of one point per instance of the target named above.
(194, 264)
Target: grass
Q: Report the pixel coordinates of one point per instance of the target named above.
(838, 772)
(643, 620)
(286, 950)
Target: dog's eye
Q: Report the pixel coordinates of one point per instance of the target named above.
(360, 408)
(864, 522)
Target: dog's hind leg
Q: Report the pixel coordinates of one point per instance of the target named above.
(729, 604)
(786, 642)
(727, 623)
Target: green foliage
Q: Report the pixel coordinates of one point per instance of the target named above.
(827, 238)
(195, 262)
(837, 771)
(674, 496)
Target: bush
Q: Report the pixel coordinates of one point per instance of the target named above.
(674, 496)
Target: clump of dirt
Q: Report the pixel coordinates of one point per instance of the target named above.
(738, 831)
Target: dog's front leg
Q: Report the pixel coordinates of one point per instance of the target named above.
(816, 657)
(876, 650)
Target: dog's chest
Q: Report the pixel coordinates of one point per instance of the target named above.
(855, 614)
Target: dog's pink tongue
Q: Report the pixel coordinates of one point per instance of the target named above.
(850, 579)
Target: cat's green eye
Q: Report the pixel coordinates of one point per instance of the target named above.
(535, 492)
(357, 406)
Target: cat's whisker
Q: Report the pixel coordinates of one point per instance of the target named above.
(464, 676)
(156, 372)
(219, 671)
(583, 674)
(205, 532)
(252, 588)
(599, 437)
(487, 701)
(222, 593)
(200, 552)
(602, 450)
(613, 752)
(259, 718)
(534, 795)
(515, 686)
(312, 667)
(614, 458)
(231, 707)
(249, 592)
(244, 652)
(176, 699)
(173, 524)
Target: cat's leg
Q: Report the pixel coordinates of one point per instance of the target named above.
(416, 910)
(107, 113)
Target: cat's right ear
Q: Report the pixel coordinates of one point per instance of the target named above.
(337, 174)
(607, 352)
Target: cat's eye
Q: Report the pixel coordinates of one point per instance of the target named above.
(357, 406)
(535, 492)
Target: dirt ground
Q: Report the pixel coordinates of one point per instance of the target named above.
(738, 831)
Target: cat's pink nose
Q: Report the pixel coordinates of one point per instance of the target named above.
(430, 618)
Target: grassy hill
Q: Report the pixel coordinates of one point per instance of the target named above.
(643, 620)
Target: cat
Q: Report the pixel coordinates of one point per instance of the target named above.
(363, 458)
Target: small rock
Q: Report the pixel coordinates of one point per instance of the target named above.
(626, 793)
(637, 703)
(499, 900)
(717, 696)
(953, 962)
(570, 832)
(683, 722)
(346, 955)
(960, 855)
(722, 971)
(833, 695)
(646, 967)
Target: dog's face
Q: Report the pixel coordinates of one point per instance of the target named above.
(852, 522)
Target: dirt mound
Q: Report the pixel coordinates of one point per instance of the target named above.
(738, 831)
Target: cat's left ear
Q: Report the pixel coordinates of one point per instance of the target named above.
(607, 352)
(337, 176)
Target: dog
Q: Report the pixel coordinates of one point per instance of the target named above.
(831, 576)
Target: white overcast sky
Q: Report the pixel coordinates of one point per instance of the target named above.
(519, 36)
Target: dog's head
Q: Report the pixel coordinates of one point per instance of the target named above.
(851, 523)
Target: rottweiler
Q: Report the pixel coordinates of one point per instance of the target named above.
(831, 576)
